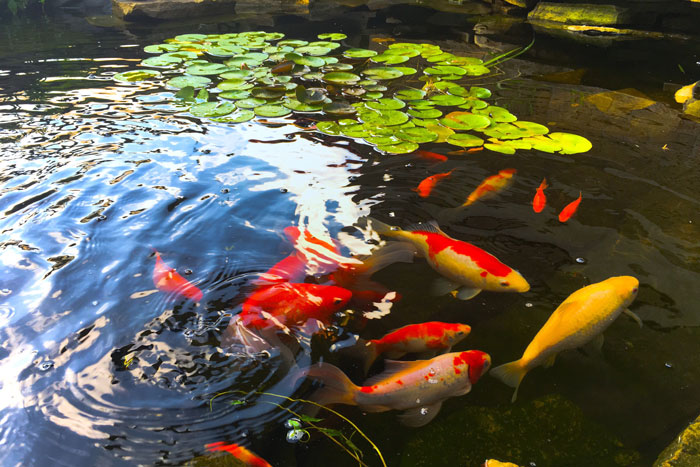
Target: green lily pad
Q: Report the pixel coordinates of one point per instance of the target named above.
(390, 59)
(497, 114)
(570, 143)
(425, 122)
(417, 135)
(234, 84)
(427, 113)
(406, 70)
(404, 147)
(292, 43)
(383, 117)
(442, 131)
(207, 69)
(442, 57)
(463, 61)
(476, 70)
(447, 99)
(268, 92)
(330, 60)
(481, 93)
(238, 62)
(421, 105)
(464, 140)
(410, 94)
(160, 48)
(310, 96)
(190, 37)
(329, 128)
(355, 92)
(250, 103)
(532, 128)
(337, 67)
(341, 77)
(277, 49)
(376, 87)
(339, 108)
(272, 110)
(473, 104)
(386, 104)
(301, 106)
(327, 44)
(543, 143)
(212, 109)
(162, 61)
(237, 74)
(332, 36)
(239, 116)
(506, 131)
(457, 90)
(444, 70)
(355, 131)
(382, 73)
(315, 76)
(235, 95)
(196, 82)
(373, 95)
(313, 62)
(506, 147)
(359, 53)
(382, 140)
(225, 50)
(465, 121)
(313, 50)
(136, 75)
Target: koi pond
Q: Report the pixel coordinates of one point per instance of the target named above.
(207, 227)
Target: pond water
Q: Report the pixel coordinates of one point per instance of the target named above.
(98, 367)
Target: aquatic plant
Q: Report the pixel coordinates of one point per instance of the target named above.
(336, 436)
(357, 93)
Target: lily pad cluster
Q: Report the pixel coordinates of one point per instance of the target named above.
(380, 97)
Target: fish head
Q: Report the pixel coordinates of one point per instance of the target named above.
(513, 282)
(626, 286)
(333, 298)
(476, 361)
(458, 332)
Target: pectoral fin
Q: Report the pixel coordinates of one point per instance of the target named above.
(420, 416)
(550, 361)
(633, 316)
(465, 293)
(595, 346)
(442, 286)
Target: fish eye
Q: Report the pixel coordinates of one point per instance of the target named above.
(635, 290)
(337, 301)
(505, 283)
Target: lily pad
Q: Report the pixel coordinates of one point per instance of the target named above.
(410, 94)
(465, 121)
(301, 106)
(272, 110)
(341, 77)
(268, 92)
(339, 108)
(310, 96)
(481, 93)
(401, 148)
(328, 128)
(235, 84)
(332, 36)
(190, 37)
(136, 75)
(237, 74)
(427, 113)
(533, 128)
(383, 73)
(196, 82)
(447, 99)
(425, 122)
(337, 67)
(497, 114)
(313, 50)
(383, 117)
(225, 51)
(238, 62)
(293, 43)
(464, 140)
(250, 103)
(390, 59)
(406, 70)
(160, 48)
(444, 70)
(355, 131)
(417, 135)
(506, 131)
(473, 104)
(212, 109)
(476, 70)
(206, 69)
(570, 143)
(373, 95)
(543, 143)
(442, 131)
(239, 116)
(359, 53)
(162, 61)
(313, 62)
(386, 104)
(235, 95)
(382, 140)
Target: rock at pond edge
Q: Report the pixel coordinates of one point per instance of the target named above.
(684, 451)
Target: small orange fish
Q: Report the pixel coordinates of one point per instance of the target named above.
(570, 209)
(166, 279)
(380, 40)
(539, 201)
(431, 156)
(426, 186)
(491, 185)
(249, 458)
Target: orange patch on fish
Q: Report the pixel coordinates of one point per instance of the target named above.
(166, 279)
(249, 458)
(425, 187)
(491, 185)
(570, 209)
(431, 156)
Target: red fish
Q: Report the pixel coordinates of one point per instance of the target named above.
(249, 458)
(290, 303)
(415, 338)
(431, 156)
(570, 209)
(167, 279)
(539, 201)
(491, 185)
(426, 186)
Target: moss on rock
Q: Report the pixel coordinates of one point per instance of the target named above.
(684, 451)
(586, 14)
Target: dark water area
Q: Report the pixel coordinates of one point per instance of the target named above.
(98, 367)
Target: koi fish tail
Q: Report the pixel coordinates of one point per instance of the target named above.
(511, 374)
(394, 252)
(338, 389)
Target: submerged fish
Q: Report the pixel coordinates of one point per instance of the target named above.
(465, 266)
(415, 338)
(496, 463)
(491, 185)
(425, 187)
(540, 200)
(249, 458)
(570, 209)
(582, 317)
(166, 279)
(431, 156)
(418, 388)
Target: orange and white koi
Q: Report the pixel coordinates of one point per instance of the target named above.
(166, 279)
(418, 387)
(249, 458)
(540, 200)
(431, 156)
(464, 266)
(490, 186)
(415, 338)
(582, 317)
(425, 187)
(570, 209)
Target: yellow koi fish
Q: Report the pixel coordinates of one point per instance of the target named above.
(581, 318)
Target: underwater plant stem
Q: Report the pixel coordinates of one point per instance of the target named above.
(509, 55)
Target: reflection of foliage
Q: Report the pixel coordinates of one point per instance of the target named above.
(361, 93)
(15, 6)
(336, 436)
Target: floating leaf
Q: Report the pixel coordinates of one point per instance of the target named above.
(237, 74)
(447, 100)
(160, 48)
(465, 121)
(234, 84)
(410, 94)
(238, 62)
(359, 53)
(473, 104)
(543, 143)
(401, 148)
(329, 128)
(464, 140)
(442, 132)
(444, 70)
(570, 143)
(301, 106)
(234, 95)
(341, 77)
(269, 92)
(313, 50)
(212, 109)
(386, 104)
(272, 110)
(355, 131)
(313, 62)
(532, 128)
(406, 70)
(190, 37)
(339, 108)
(476, 70)
(196, 82)
(382, 140)
(390, 59)
(225, 50)
(425, 122)
(250, 103)
(292, 43)
(383, 117)
(417, 135)
(311, 95)
(136, 75)
(383, 73)
(333, 36)
(239, 116)
(186, 93)
(337, 67)
(506, 131)
(373, 95)
(162, 61)
(497, 114)
(427, 113)
(206, 69)
(481, 93)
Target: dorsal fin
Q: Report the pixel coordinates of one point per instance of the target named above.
(391, 367)
(430, 226)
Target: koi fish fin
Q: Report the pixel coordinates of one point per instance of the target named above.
(632, 315)
(391, 367)
(420, 416)
(338, 389)
(381, 228)
(430, 226)
(467, 293)
(511, 374)
(442, 286)
(393, 252)
(238, 333)
(595, 346)
(550, 360)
